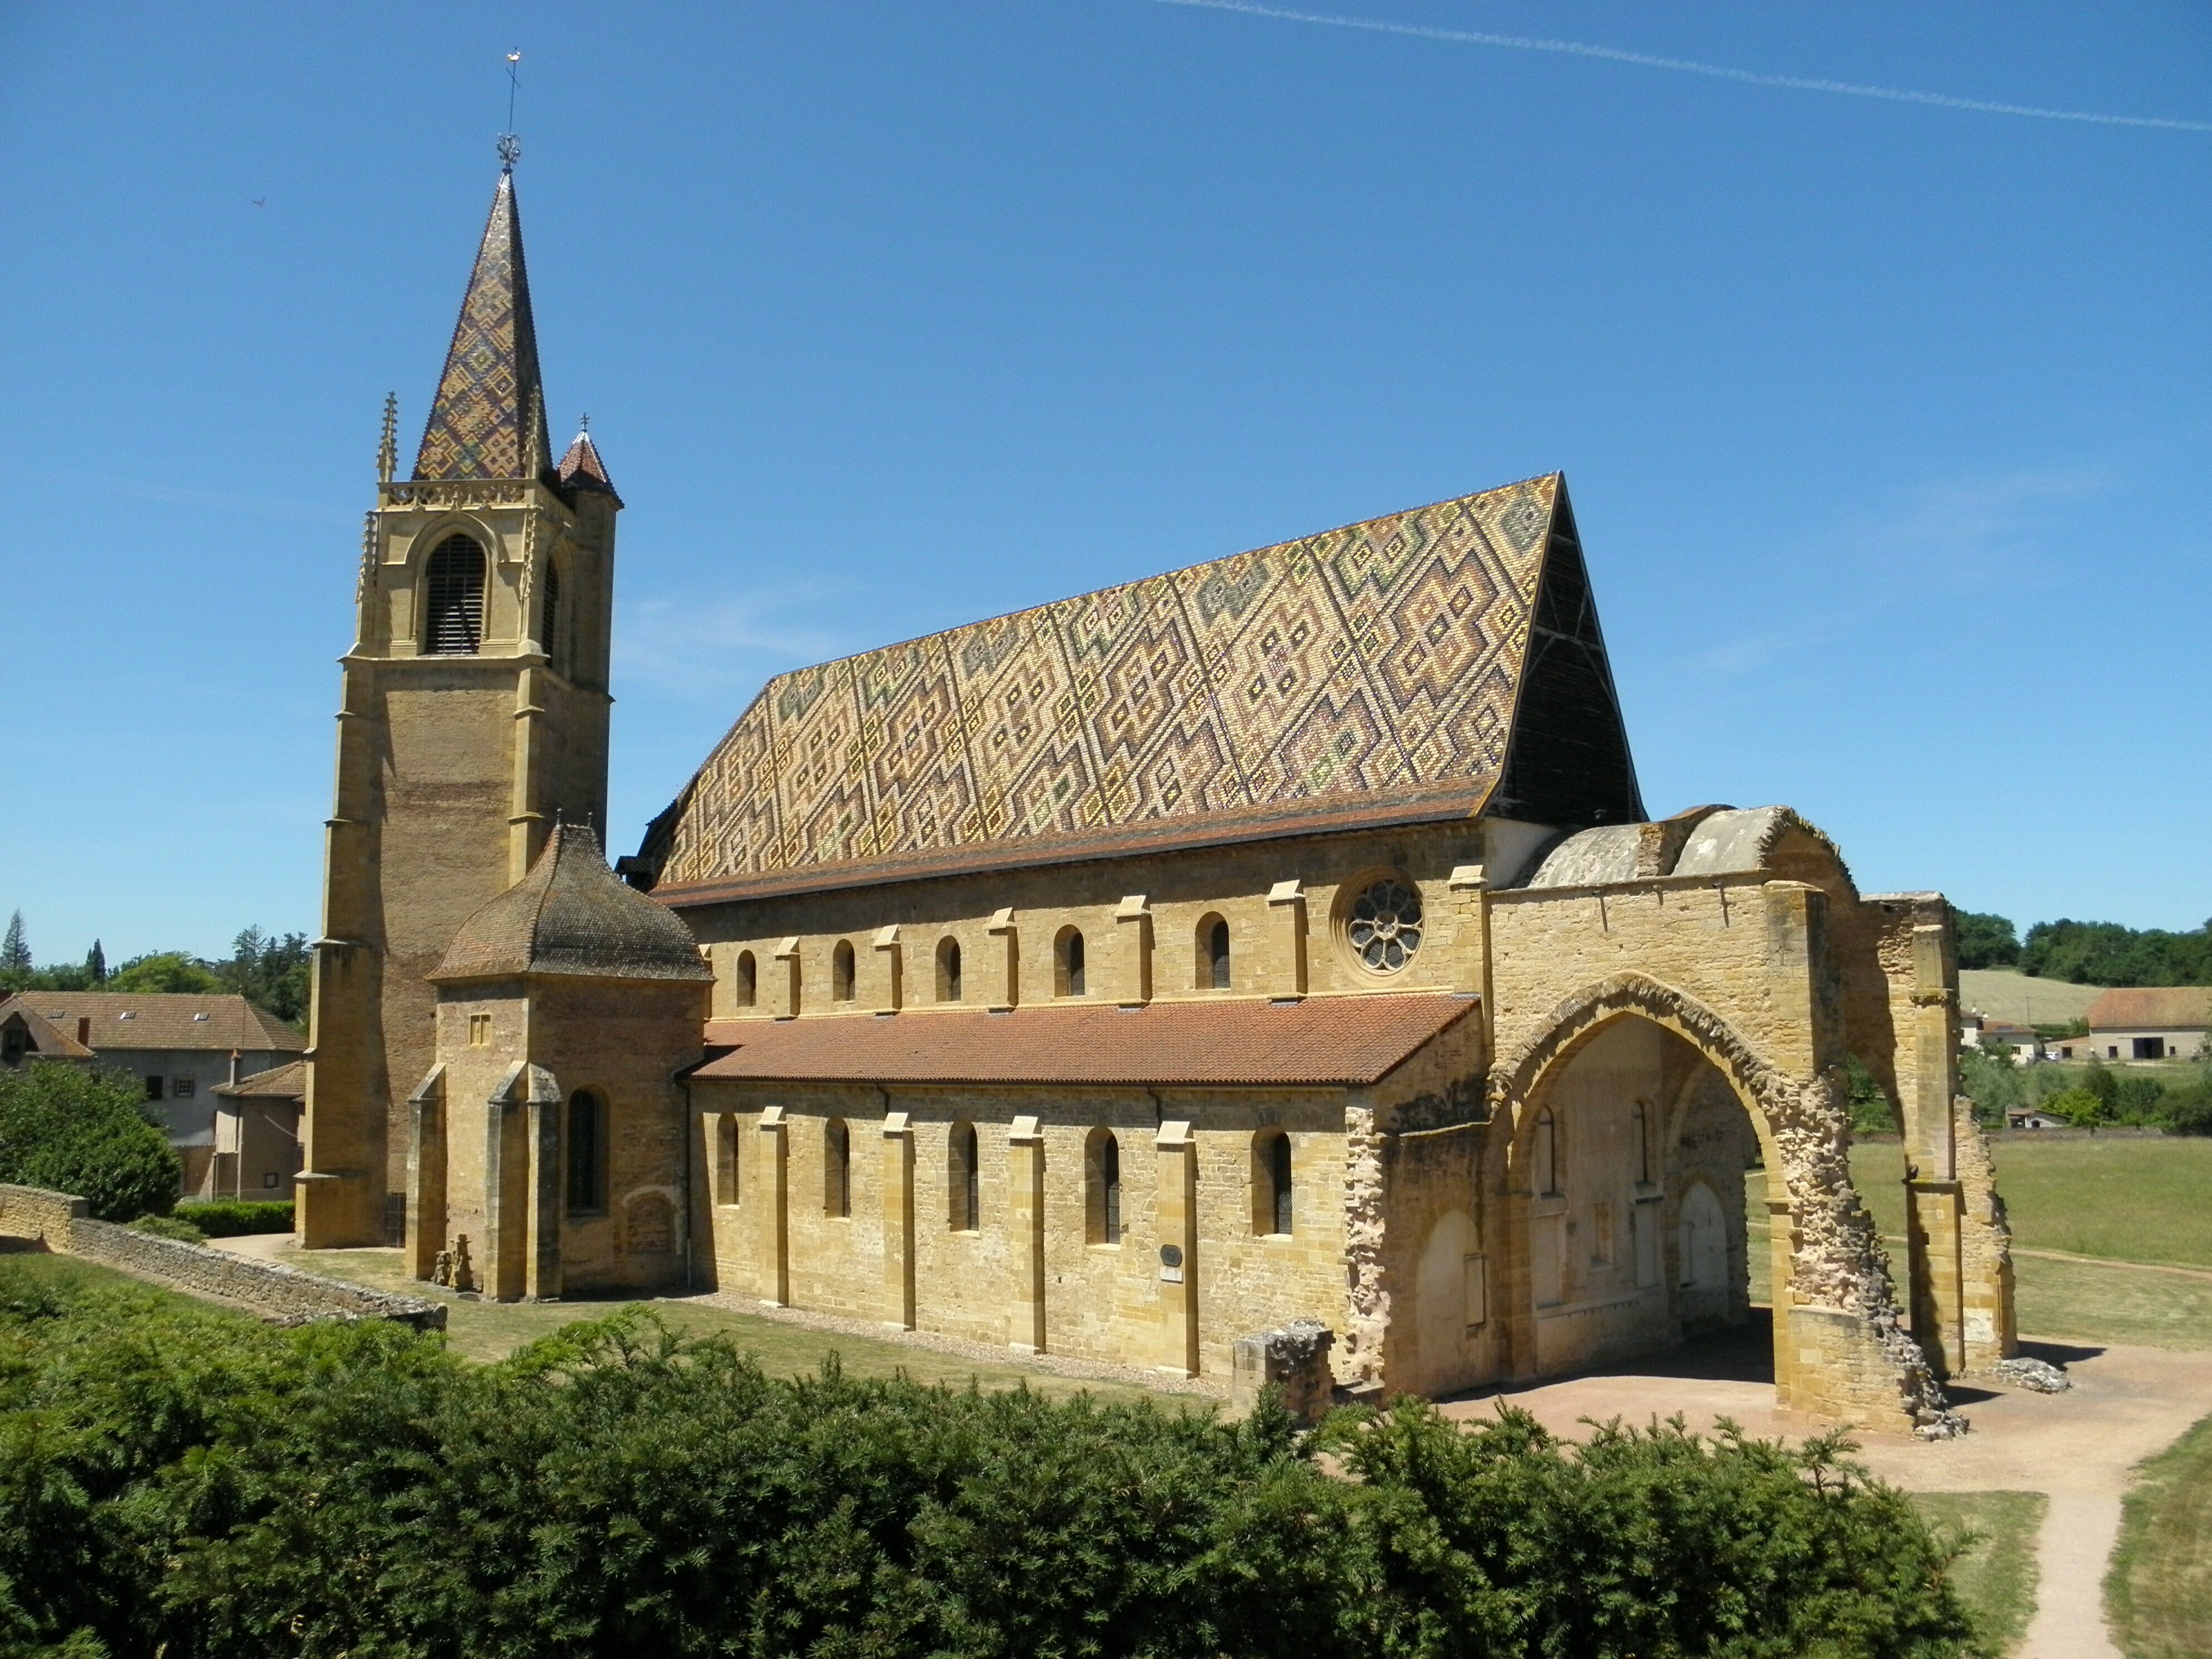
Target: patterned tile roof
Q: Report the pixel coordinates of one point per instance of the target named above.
(167, 1019)
(1343, 1042)
(490, 397)
(1370, 674)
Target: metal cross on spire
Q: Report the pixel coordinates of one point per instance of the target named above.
(510, 147)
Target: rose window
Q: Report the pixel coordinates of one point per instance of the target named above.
(1386, 925)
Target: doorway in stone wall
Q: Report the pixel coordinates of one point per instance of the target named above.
(1646, 1212)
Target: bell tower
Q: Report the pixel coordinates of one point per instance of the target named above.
(472, 717)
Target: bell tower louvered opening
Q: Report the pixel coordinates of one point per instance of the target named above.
(455, 598)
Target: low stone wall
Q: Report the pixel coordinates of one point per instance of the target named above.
(283, 1295)
(36, 1214)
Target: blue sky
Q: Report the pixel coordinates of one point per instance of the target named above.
(1886, 423)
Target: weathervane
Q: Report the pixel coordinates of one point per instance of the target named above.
(510, 147)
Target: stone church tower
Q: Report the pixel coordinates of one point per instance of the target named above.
(472, 718)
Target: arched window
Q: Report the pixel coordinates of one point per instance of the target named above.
(453, 599)
(1213, 955)
(552, 624)
(1101, 1169)
(948, 971)
(963, 1180)
(1271, 1184)
(747, 988)
(840, 972)
(1641, 1127)
(1544, 1150)
(1068, 964)
(837, 1167)
(726, 1167)
(587, 1152)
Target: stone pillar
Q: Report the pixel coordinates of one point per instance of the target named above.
(782, 988)
(1293, 1358)
(1133, 937)
(1025, 1225)
(1928, 1087)
(506, 1175)
(1286, 967)
(1992, 1331)
(898, 1221)
(1933, 1212)
(1176, 1220)
(1781, 1291)
(426, 1175)
(541, 1259)
(771, 1173)
(890, 979)
(1002, 965)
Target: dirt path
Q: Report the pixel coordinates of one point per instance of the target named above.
(2078, 1447)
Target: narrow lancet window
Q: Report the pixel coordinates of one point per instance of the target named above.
(587, 1188)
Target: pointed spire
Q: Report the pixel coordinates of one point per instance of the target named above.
(489, 398)
(581, 467)
(387, 444)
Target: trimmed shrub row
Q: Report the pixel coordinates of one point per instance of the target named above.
(232, 1217)
(182, 1481)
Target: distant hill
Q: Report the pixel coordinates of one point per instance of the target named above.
(2007, 994)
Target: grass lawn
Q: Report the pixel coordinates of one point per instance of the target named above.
(2127, 1200)
(2158, 1591)
(1995, 1577)
(492, 1330)
(2078, 1300)
(2007, 994)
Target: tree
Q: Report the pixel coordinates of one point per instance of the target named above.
(71, 1130)
(15, 953)
(269, 971)
(1985, 940)
(96, 964)
(164, 970)
(2105, 953)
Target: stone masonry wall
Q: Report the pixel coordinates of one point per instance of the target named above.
(282, 1293)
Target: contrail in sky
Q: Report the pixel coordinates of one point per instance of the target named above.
(1687, 66)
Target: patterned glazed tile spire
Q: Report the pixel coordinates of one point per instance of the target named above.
(489, 396)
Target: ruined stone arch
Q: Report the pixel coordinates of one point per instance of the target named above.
(1836, 1263)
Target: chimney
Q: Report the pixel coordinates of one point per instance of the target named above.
(84, 1030)
(234, 1068)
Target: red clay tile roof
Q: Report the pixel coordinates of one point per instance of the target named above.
(1320, 1041)
(167, 1019)
(278, 1082)
(2178, 1007)
(46, 1037)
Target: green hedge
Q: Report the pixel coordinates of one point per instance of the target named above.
(230, 1217)
(179, 1481)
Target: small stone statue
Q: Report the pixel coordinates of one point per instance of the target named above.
(442, 1270)
(463, 1278)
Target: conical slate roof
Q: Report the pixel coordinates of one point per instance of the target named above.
(571, 915)
(487, 420)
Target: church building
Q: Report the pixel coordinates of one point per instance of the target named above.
(1281, 939)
